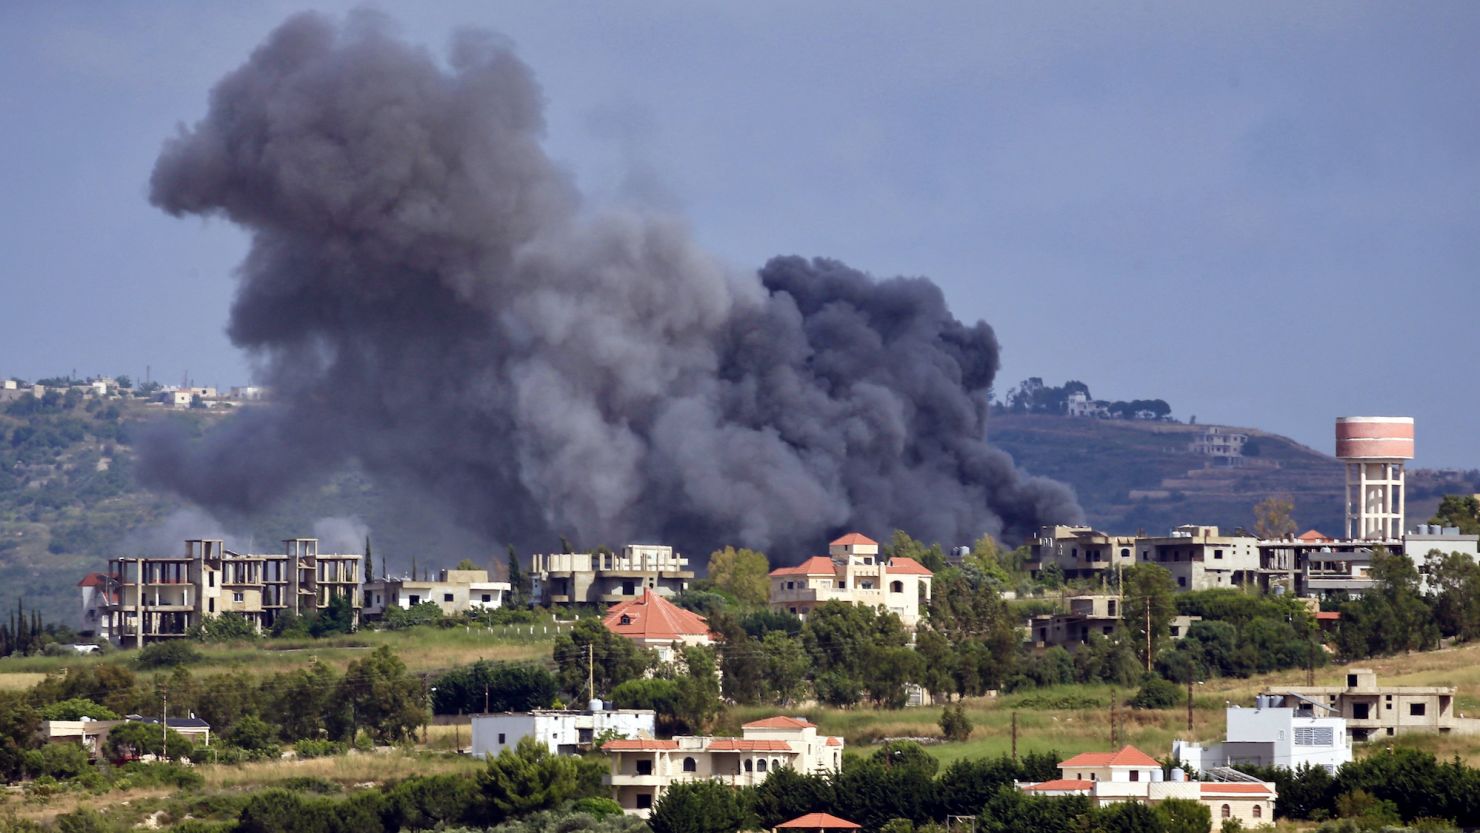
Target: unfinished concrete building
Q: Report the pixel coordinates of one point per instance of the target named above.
(154, 598)
(605, 578)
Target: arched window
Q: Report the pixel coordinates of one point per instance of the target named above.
(1227, 811)
(775, 764)
(747, 765)
(896, 587)
(1258, 811)
(690, 765)
(760, 766)
(626, 620)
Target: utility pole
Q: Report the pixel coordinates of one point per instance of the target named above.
(1189, 707)
(1113, 738)
(1014, 737)
(164, 721)
(1148, 634)
(485, 698)
(590, 671)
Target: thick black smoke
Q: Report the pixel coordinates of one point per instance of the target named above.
(426, 295)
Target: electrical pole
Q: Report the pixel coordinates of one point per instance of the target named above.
(485, 698)
(590, 672)
(164, 721)
(1148, 634)
(1189, 707)
(1014, 737)
(1113, 738)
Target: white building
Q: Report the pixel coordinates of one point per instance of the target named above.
(853, 573)
(643, 768)
(94, 620)
(1217, 441)
(454, 591)
(1132, 775)
(563, 732)
(1271, 735)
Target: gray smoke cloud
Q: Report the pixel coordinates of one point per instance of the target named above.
(428, 296)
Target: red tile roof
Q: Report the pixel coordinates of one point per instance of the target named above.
(908, 567)
(780, 722)
(853, 539)
(1127, 756)
(817, 565)
(1313, 535)
(832, 741)
(93, 580)
(638, 744)
(1218, 787)
(743, 745)
(651, 616)
(818, 821)
(1060, 785)
(1328, 615)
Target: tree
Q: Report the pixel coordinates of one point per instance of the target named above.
(901, 545)
(166, 654)
(488, 687)
(954, 723)
(1128, 817)
(466, 564)
(700, 807)
(20, 731)
(134, 738)
(253, 734)
(528, 777)
(225, 627)
(1156, 693)
(518, 585)
(384, 698)
(611, 659)
(742, 573)
(1454, 593)
(1462, 511)
(77, 708)
(786, 667)
(338, 617)
(1272, 517)
(787, 794)
(1149, 592)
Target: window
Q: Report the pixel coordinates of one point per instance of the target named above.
(791, 585)
(212, 605)
(749, 765)
(1125, 552)
(446, 597)
(626, 620)
(1218, 554)
(1181, 581)
(628, 588)
(1135, 775)
(1258, 811)
(1360, 711)
(1314, 736)
(1415, 709)
(868, 559)
(1175, 631)
(690, 765)
(896, 587)
(1227, 811)
(775, 763)
(500, 738)
(760, 766)
(238, 596)
(644, 801)
(487, 597)
(645, 766)
(211, 580)
(1351, 680)
(414, 599)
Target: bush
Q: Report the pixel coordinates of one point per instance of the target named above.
(1156, 693)
(318, 748)
(954, 723)
(167, 654)
(227, 627)
(253, 734)
(76, 708)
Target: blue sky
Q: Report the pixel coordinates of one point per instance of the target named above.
(1265, 213)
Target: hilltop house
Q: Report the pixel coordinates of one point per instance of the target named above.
(853, 573)
(656, 623)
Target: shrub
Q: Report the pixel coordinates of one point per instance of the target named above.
(310, 748)
(954, 723)
(1156, 693)
(76, 708)
(227, 627)
(167, 654)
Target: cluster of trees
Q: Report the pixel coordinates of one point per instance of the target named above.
(1032, 396)
(22, 633)
(1387, 788)
(1406, 611)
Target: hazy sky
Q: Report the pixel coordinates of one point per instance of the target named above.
(1265, 213)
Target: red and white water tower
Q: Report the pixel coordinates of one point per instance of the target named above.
(1374, 450)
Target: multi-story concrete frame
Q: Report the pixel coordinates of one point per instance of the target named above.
(1199, 558)
(643, 769)
(854, 573)
(605, 578)
(153, 598)
(1132, 775)
(1373, 711)
(1374, 450)
(1082, 553)
(1272, 735)
(454, 591)
(1088, 616)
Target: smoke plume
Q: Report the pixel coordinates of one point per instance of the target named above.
(427, 296)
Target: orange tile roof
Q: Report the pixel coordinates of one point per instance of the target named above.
(854, 539)
(743, 745)
(651, 616)
(818, 821)
(638, 744)
(93, 580)
(1255, 789)
(1127, 756)
(1060, 785)
(1313, 535)
(908, 567)
(1328, 615)
(832, 741)
(780, 722)
(817, 565)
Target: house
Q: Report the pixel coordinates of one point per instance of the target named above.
(1272, 735)
(453, 591)
(654, 622)
(1200, 558)
(1372, 711)
(93, 619)
(91, 734)
(643, 768)
(818, 822)
(1219, 442)
(603, 578)
(1132, 775)
(1081, 553)
(1088, 615)
(154, 598)
(853, 573)
(192, 728)
(562, 731)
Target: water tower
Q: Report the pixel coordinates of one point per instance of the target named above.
(1374, 450)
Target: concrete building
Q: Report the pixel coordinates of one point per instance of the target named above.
(655, 623)
(853, 573)
(642, 769)
(1132, 775)
(1082, 553)
(1336, 572)
(604, 578)
(90, 734)
(1373, 711)
(1200, 558)
(192, 728)
(1220, 442)
(453, 591)
(1272, 735)
(153, 598)
(1374, 450)
(563, 732)
(1085, 617)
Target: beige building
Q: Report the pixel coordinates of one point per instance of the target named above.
(454, 592)
(1132, 775)
(1375, 711)
(643, 768)
(1198, 557)
(1082, 553)
(152, 598)
(853, 573)
(605, 578)
(1085, 617)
